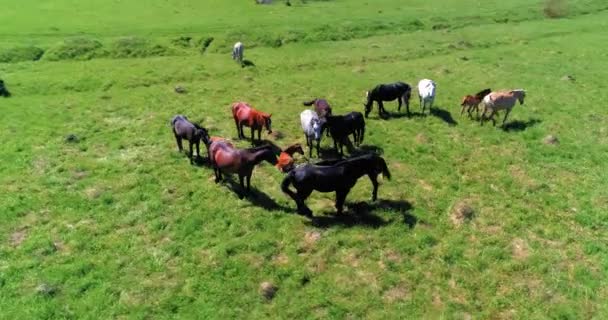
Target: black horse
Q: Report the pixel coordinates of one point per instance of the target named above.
(339, 178)
(388, 92)
(3, 91)
(194, 133)
(340, 127)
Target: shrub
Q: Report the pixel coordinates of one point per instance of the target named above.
(17, 54)
(80, 48)
(555, 8)
(134, 47)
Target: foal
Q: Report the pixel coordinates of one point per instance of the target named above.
(388, 92)
(286, 162)
(501, 100)
(470, 102)
(340, 127)
(226, 158)
(184, 129)
(339, 178)
(245, 115)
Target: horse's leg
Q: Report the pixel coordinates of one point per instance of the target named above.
(178, 140)
(238, 127)
(381, 110)
(190, 151)
(300, 197)
(340, 198)
(242, 183)
(483, 115)
(492, 117)
(198, 150)
(399, 107)
(318, 148)
(505, 119)
(374, 180)
(252, 136)
(260, 135)
(248, 180)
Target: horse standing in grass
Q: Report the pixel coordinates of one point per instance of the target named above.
(339, 178)
(388, 92)
(245, 115)
(340, 127)
(194, 133)
(426, 93)
(471, 103)
(322, 107)
(225, 158)
(286, 162)
(501, 100)
(237, 52)
(3, 91)
(312, 127)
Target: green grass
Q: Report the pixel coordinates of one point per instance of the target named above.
(119, 225)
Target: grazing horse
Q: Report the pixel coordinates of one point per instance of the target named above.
(501, 100)
(426, 93)
(245, 115)
(3, 91)
(470, 102)
(340, 127)
(184, 129)
(286, 161)
(322, 107)
(339, 178)
(312, 127)
(226, 158)
(237, 52)
(388, 92)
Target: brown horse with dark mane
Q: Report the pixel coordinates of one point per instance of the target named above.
(286, 161)
(245, 115)
(225, 158)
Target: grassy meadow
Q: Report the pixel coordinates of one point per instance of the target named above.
(116, 224)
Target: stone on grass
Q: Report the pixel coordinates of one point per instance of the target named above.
(268, 290)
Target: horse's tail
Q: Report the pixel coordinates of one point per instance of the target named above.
(287, 181)
(309, 103)
(385, 172)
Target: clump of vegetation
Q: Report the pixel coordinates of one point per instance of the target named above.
(555, 8)
(136, 47)
(204, 43)
(17, 54)
(80, 48)
(183, 41)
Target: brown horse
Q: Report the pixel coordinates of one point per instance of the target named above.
(322, 107)
(471, 103)
(226, 158)
(286, 161)
(246, 115)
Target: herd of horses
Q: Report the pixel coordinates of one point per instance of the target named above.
(339, 175)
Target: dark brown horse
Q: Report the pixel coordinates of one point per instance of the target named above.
(194, 133)
(388, 92)
(225, 158)
(322, 107)
(246, 115)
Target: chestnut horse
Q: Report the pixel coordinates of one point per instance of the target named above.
(224, 157)
(470, 102)
(286, 161)
(246, 115)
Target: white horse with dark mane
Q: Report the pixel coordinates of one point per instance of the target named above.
(426, 93)
(311, 125)
(501, 100)
(237, 52)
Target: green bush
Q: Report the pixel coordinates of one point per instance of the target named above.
(17, 54)
(80, 48)
(134, 47)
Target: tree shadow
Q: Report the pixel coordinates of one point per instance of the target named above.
(518, 125)
(444, 115)
(361, 214)
(247, 63)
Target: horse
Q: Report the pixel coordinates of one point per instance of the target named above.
(312, 127)
(226, 158)
(194, 133)
(322, 107)
(426, 93)
(388, 92)
(245, 115)
(341, 126)
(501, 100)
(3, 91)
(286, 162)
(237, 52)
(470, 102)
(339, 178)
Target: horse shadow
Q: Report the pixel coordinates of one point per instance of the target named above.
(518, 125)
(367, 149)
(444, 115)
(255, 196)
(397, 115)
(247, 63)
(275, 148)
(361, 214)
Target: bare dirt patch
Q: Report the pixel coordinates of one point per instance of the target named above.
(17, 237)
(395, 294)
(461, 213)
(520, 249)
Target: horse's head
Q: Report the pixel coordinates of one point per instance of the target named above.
(382, 167)
(268, 122)
(317, 127)
(368, 103)
(520, 94)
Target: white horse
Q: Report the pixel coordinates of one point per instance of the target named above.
(237, 52)
(426, 93)
(311, 125)
(501, 100)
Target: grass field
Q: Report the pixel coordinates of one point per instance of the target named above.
(119, 225)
